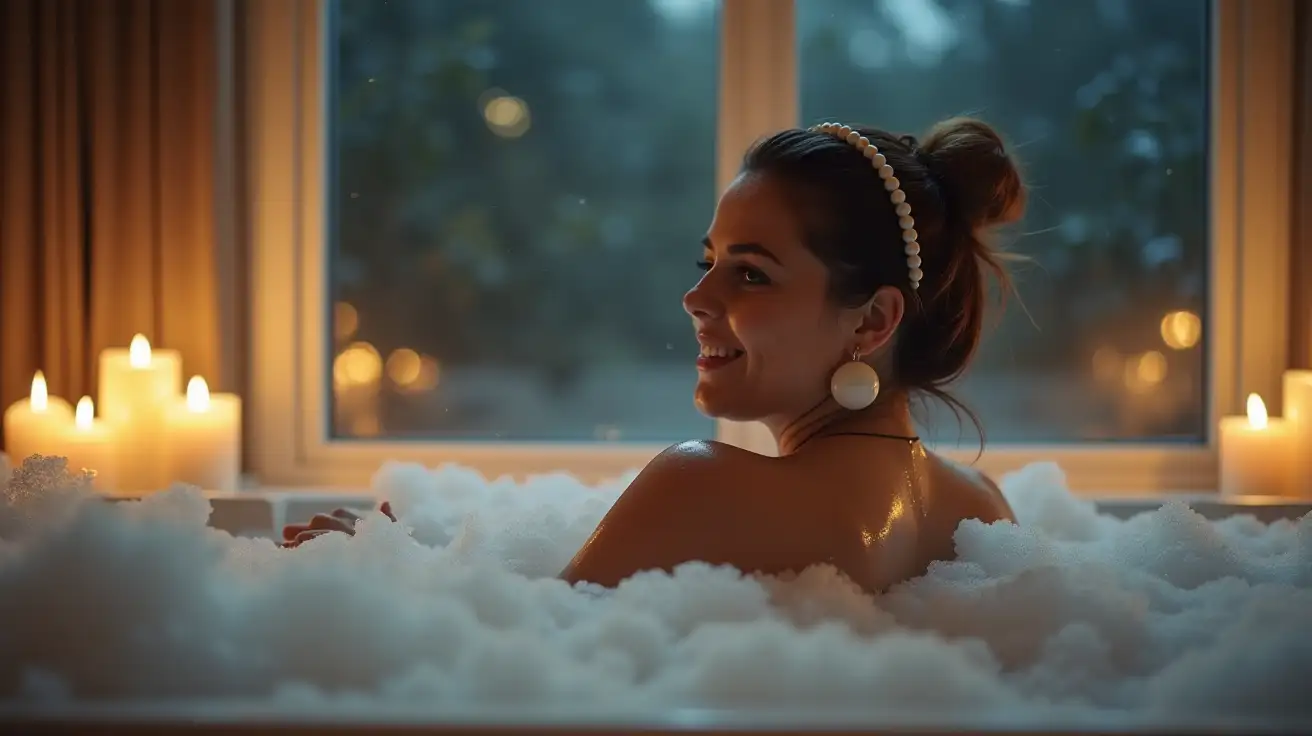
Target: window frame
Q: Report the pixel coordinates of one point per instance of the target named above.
(1252, 140)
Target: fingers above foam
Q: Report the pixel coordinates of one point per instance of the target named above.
(345, 514)
(291, 530)
(306, 536)
(331, 523)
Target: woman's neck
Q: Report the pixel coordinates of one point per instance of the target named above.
(889, 415)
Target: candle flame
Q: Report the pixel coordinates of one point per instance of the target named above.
(139, 351)
(198, 395)
(86, 410)
(1257, 416)
(40, 397)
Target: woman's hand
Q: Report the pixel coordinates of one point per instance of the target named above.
(340, 520)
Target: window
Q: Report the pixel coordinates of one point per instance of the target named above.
(1111, 127)
(516, 201)
(487, 214)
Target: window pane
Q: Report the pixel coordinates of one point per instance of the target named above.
(518, 193)
(1106, 104)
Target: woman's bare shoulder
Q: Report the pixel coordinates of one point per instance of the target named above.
(674, 511)
(707, 470)
(707, 450)
(972, 489)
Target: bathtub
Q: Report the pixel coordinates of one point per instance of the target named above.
(184, 720)
(262, 514)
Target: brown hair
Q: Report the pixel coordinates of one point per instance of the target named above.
(960, 182)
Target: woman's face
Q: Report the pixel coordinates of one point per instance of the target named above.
(770, 335)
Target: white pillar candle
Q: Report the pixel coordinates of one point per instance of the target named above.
(137, 386)
(1298, 412)
(205, 438)
(90, 446)
(36, 425)
(1257, 453)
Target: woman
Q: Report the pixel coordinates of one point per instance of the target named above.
(844, 272)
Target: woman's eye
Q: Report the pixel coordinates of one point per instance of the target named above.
(749, 275)
(753, 276)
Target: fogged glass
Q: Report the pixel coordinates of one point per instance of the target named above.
(518, 193)
(1105, 102)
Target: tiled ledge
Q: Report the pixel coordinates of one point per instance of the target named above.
(1213, 507)
(261, 513)
(256, 513)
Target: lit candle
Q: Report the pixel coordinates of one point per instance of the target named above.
(1257, 453)
(36, 425)
(205, 438)
(137, 386)
(90, 446)
(1298, 412)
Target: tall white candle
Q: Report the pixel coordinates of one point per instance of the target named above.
(205, 438)
(1257, 453)
(90, 446)
(1298, 412)
(36, 425)
(137, 386)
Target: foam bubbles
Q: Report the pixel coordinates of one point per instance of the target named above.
(1067, 617)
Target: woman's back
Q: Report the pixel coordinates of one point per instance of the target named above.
(901, 506)
(878, 510)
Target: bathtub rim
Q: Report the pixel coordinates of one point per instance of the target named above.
(187, 717)
(263, 511)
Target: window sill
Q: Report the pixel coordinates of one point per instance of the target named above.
(261, 512)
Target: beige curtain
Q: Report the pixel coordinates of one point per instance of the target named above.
(1300, 317)
(108, 114)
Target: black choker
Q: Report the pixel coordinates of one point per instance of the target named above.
(879, 435)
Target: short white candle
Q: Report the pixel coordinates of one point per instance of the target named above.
(137, 386)
(1298, 412)
(90, 446)
(1257, 453)
(205, 438)
(36, 425)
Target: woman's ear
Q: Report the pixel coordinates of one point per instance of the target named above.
(880, 318)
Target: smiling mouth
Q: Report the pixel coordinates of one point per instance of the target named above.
(713, 358)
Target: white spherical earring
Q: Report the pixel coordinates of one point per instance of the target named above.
(854, 385)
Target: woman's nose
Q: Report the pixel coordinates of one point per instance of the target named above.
(700, 303)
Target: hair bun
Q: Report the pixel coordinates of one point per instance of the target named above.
(981, 183)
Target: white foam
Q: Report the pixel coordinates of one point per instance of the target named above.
(1065, 617)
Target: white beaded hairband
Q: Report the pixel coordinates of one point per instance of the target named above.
(891, 185)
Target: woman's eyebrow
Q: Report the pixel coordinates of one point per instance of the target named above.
(746, 249)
